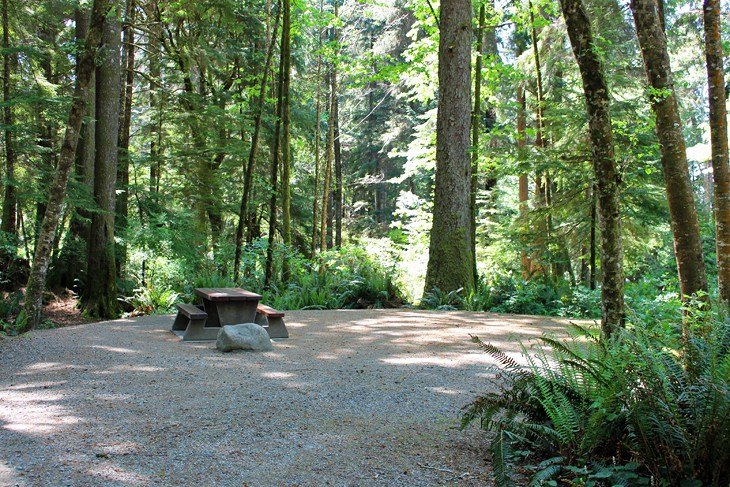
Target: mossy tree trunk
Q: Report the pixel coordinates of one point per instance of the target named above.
(719, 142)
(450, 263)
(682, 210)
(57, 191)
(608, 178)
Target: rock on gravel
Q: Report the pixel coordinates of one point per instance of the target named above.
(247, 336)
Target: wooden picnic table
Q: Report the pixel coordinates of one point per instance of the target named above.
(228, 305)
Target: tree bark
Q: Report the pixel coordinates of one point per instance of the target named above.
(286, 137)
(9, 223)
(275, 160)
(682, 210)
(523, 182)
(329, 156)
(719, 143)
(99, 297)
(44, 242)
(125, 110)
(251, 164)
(608, 177)
(450, 263)
(337, 200)
(475, 129)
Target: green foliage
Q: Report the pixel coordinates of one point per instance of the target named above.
(346, 278)
(10, 312)
(585, 411)
(151, 300)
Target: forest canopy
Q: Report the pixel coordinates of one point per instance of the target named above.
(317, 152)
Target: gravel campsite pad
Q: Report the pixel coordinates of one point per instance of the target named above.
(352, 398)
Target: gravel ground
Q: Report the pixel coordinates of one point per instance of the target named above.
(352, 398)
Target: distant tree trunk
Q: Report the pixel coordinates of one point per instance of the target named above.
(251, 165)
(523, 182)
(329, 156)
(54, 208)
(718, 138)
(682, 210)
(99, 297)
(286, 137)
(594, 216)
(9, 222)
(275, 160)
(542, 183)
(125, 111)
(450, 263)
(155, 73)
(608, 177)
(475, 129)
(317, 137)
(337, 200)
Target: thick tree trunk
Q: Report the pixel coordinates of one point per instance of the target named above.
(719, 142)
(54, 208)
(682, 210)
(251, 164)
(125, 110)
(608, 178)
(9, 222)
(450, 263)
(100, 294)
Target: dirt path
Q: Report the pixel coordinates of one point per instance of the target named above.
(352, 398)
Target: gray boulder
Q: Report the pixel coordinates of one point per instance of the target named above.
(248, 336)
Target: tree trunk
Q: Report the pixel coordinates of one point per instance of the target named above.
(337, 200)
(317, 157)
(329, 156)
(100, 294)
(683, 214)
(54, 208)
(125, 109)
(286, 137)
(594, 215)
(475, 129)
(608, 178)
(251, 164)
(9, 222)
(450, 263)
(155, 71)
(719, 142)
(275, 160)
(524, 184)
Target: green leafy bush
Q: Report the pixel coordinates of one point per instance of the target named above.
(150, 300)
(624, 411)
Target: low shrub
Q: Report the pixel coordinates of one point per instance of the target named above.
(643, 408)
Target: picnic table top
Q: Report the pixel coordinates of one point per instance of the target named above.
(226, 294)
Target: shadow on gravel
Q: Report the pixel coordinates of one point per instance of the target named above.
(354, 397)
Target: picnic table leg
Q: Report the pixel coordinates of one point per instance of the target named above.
(274, 326)
(197, 330)
(211, 308)
(180, 323)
